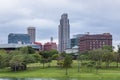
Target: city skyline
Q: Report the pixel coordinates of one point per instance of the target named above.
(94, 16)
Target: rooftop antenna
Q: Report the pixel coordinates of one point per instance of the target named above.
(51, 39)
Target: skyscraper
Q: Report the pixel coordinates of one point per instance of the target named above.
(64, 33)
(31, 32)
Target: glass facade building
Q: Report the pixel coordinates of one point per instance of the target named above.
(74, 42)
(18, 38)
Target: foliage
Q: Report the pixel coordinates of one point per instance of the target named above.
(55, 56)
(27, 50)
(17, 63)
(109, 48)
(29, 58)
(46, 57)
(3, 59)
(53, 52)
(37, 57)
(67, 62)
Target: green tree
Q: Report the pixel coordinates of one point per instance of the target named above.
(96, 55)
(53, 52)
(29, 58)
(117, 56)
(108, 57)
(27, 50)
(109, 48)
(67, 63)
(17, 62)
(81, 57)
(55, 56)
(3, 59)
(37, 57)
(45, 57)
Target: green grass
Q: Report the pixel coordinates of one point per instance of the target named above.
(36, 71)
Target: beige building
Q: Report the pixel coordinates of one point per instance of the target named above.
(32, 32)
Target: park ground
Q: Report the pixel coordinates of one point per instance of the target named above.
(36, 70)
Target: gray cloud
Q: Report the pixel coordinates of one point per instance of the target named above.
(95, 16)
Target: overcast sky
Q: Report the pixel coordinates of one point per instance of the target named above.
(94, 16)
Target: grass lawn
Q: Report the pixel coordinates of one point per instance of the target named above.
(36, 71)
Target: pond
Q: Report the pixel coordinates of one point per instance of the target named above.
(37, 79)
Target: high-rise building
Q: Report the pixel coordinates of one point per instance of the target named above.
(18, 38)
(95, 41)
(31, 32)
(64, 33)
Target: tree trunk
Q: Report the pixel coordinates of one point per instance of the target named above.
(49, 64)
(43, 64)
(66, 71)
(117, 62)
(78, 66)
(15, 68)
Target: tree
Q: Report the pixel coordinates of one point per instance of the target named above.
(96, 55)
(37, 57)
(109, 48)
(3, 59)
(53, 52)
(45, 57)
(29, 58)
(108, 57)
(19, 58)
(117, 56)
(67, 62)
(17, 63)
(55, 56)
(27, 50)
(81, 57)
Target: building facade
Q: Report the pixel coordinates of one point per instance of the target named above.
(75, 40)
(92, 42)
(32, 32)
(9, 47)
(18, 38)
(40, 45)
(49, 46)
(64, 33)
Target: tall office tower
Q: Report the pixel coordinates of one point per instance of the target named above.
(31, 32)
(64, 33)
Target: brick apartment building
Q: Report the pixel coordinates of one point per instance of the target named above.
(95, 41)
(50, 46)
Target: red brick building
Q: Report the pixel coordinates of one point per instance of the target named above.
(50, 46)
(91, 42)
